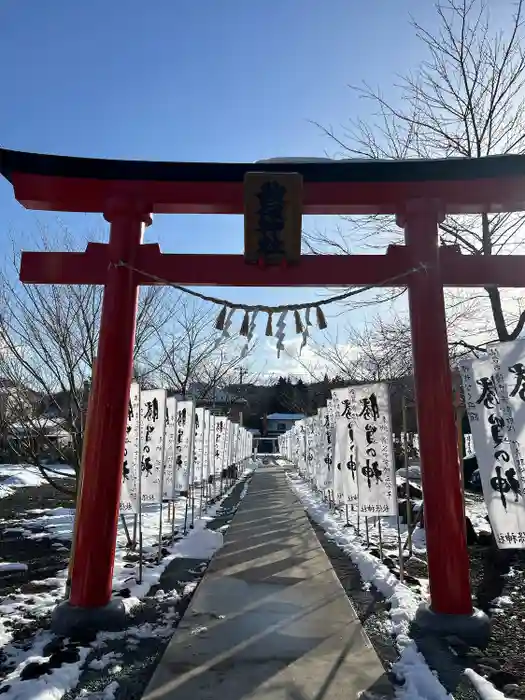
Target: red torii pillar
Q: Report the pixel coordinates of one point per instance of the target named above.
(100, 495)
(419, 193)
(436, 419)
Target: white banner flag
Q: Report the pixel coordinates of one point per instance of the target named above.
(318, 454)
(184, 447)
(209, 448)
(345, 472)
(302, 456)
(206, 446)
(322, 448)
(198, 445)
(169, 447)
(509, 375)
(235, 443)
(227, 444)
(374, 450)
(130, 467)
(329, 436)
(220, 436)
(497, 468)
(152, 425)
(310, 446)
(297, 443)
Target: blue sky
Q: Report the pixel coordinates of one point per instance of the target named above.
(228, 80)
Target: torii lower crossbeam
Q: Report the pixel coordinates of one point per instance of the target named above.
(391, 270)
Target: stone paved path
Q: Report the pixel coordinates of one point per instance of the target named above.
(270, 620)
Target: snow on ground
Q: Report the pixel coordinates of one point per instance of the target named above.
(414, 473)
(12, 566)
(476, 510)
(389, 528)
(108, 693)
(51, 686)
(484, 688)
(199, 543)
(58, 524)
(13, 476)
(420, 683)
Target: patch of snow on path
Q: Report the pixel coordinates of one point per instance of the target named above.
(12, 566)
(420, 683)
(484, 688)
(108, 693)
(13, 476)
(50, 686)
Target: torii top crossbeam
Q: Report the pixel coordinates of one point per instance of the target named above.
(63, 183)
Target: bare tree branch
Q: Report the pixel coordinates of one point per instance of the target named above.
(48, 341)
(466, 98)
(187, 358)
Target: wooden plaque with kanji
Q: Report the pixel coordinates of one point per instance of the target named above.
(272, 217)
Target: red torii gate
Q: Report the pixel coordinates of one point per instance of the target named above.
(419, 193)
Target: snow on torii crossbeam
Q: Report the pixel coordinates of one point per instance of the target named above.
(418, 192)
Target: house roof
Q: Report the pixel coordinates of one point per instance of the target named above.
(7, 386)
(47, 426)
(286, 416)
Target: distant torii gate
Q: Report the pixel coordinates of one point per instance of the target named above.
(419, 193)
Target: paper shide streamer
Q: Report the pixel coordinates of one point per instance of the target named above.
(281, 325)
(224, 319)
(247, 329)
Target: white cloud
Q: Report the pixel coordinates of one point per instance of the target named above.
(305, 363)
(469, 319)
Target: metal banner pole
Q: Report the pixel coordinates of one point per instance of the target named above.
(126, 530)
(459, 429)
(400, 548)
(407, 481)
(161, 494)
(191, 489)
(173, 520)
(139, 490)
(185, 531)
(201, 470)
(134, 538)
